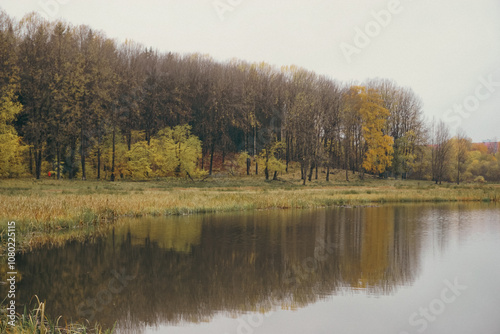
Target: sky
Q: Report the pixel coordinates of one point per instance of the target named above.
(447, 51)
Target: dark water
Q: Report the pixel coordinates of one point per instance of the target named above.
(391, 269)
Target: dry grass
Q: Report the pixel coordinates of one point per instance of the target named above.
(52, 212)
(36, 321)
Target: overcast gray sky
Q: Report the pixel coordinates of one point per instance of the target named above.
(448, 51)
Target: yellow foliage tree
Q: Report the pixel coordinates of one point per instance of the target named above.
(172, 152)
(11, 149)
(177, 151)
(379, 146)
(239, 164)
(267, 157)
(139, 164)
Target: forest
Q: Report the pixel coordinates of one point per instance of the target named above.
(77, 104)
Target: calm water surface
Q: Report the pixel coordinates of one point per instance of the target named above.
(390, 269)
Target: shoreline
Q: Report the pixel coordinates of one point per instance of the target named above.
(52, 213)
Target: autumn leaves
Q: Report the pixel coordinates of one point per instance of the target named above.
(87, 107)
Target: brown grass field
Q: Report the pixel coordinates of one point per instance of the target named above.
(52, 212)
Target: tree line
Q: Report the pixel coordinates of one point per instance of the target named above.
(79, 104)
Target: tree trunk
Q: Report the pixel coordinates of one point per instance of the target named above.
(113, 157)
(71, 163)
(254, 141)
(203, 157)
(303, 170)
(211, 158)
(346, 162)
(82, 154)
(287, 154)
(246, 142)
(58, 158)
(129, 140)
(38, 163)
(30, 160)
(248, 166)
(275, 177)
(266, 170)
(84, 174)
(99, 163)
(98, 148)
(311, 172)
(328, 173)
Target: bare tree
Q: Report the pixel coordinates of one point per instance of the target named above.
(441, 151)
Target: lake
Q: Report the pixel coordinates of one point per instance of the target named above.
(389, 269)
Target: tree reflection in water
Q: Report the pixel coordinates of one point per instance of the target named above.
(187, 269)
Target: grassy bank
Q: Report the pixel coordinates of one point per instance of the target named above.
(36, 321)
(50, 212)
